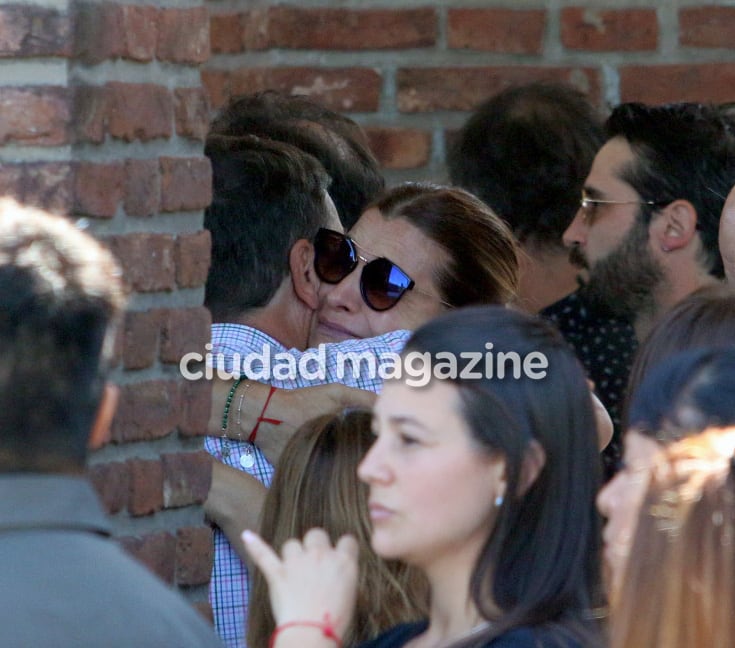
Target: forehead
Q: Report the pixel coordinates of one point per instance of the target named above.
(608, 165)
(399, 241)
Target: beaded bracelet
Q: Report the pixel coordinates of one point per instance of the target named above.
(325, 626)
(225, 416)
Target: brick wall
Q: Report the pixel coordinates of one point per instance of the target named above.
(410, 70)
(103, 115)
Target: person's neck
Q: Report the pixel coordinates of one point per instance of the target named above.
(545, 277)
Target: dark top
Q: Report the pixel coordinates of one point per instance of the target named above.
(517, 638)
(605, 346)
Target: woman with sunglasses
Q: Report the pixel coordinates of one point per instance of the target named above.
(485, 484)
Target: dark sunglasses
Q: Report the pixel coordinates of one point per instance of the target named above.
(382, 282)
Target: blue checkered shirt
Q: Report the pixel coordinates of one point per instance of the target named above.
(229, 587)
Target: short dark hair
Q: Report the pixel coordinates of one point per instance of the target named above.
(335, 140)
(540, 565)
(60, 292)
(526, 152)
(483, 256)
(683, 151)
(266, 195)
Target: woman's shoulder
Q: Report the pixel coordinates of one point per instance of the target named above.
(527, 637)
(397, 636)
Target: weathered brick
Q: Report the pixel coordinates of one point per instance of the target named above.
(47, 185)
(37, 116)
(400, 148)
(186, 183)
(451, 88)
(90, 105)
(254, 29)
(511, 31)
(665, 83)
(183, 330)
(112, 483)
(707, 26)
(226, 33)
(186, 478)
(98, 188)
(196, 403)
(194, 555)
(147, 260)
(139, 111)
(340, 89)
(191, 112)
(142, 187)
(157, 551)
(192, 255)
(108, 31)
(351, 29)
(27, 31)
(146, 486)
(183, 35)
(140, 340)
(147, 410)
(601, 30)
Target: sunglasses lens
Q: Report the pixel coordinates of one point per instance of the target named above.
(383, 283)
(334, 256)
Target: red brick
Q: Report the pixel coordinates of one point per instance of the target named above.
(191, 112)
(600, 30)
(400, 148)
(146, 486)
(192, 254)
(292, 27)
(183, 330)
(140, 340)
(254, 29)
(139, 111)
(340, 89)
(696, 82)
(707, 26)
(226, 33)
(27, 31)
(147, 260)
(98, 188)
(90, 113)
(196, 403)
(186, 478)
(452, 88)
(109, 31)
(186, 183)
(194, 555)
(142, 187)
(157, 551)
(112, 482)
(47, 185)
(35, 116)
(183, 35)
(510, 31)
(147, 410)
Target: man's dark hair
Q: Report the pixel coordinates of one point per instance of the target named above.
(683, 151)
(60, 291)
(333, 139)
(526, 153)
(266, 195)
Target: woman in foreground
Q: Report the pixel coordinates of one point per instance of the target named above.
(484, 482)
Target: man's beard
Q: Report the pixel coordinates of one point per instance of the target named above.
(622, 283)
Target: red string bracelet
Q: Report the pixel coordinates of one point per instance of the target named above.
(262, 419)
(325, 626)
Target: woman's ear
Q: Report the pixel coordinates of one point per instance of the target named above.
(304, 279)
(534, 461)
(99, 435)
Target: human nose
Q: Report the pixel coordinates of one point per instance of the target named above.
(576, 232)
(607, 496)
(373, 467)
(345, 295)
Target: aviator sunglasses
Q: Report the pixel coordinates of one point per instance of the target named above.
(382, 282)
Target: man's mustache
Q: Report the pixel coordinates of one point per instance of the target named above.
(577, 257)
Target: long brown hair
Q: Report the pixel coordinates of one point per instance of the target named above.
(679, 587)
(316, 485)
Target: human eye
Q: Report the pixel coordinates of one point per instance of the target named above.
(407, 439)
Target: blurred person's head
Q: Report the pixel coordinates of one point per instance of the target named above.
(315, 485)
(60, 296)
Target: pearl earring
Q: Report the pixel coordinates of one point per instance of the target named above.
(499, 501)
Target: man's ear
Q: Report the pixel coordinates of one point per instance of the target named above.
(676, 226)
(100, 432)
(303, 276)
